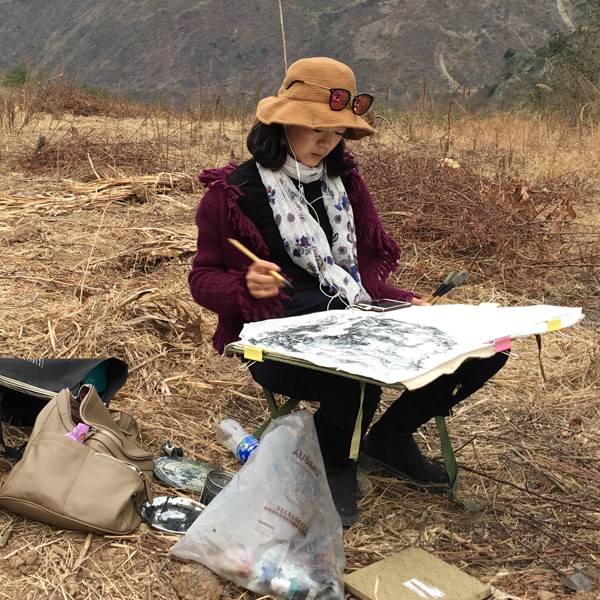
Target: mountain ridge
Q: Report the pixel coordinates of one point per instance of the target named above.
(185, 46)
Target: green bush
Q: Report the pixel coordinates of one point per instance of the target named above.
(16, 77)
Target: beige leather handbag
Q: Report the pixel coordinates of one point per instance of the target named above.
(97, 485)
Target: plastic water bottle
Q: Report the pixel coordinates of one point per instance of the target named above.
(236, 439)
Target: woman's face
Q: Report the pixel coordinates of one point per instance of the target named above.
(311, 146)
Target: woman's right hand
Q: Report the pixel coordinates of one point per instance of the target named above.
(260, 283)
(419, 302)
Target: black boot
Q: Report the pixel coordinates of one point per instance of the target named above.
(402, 457)
(343, 484)
(340, 470)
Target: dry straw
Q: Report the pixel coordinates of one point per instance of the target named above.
(90, 270)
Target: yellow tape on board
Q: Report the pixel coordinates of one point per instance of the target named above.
(554, 324)
(252, 353)
(357, 434)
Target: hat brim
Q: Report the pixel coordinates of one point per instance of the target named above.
(316, 115)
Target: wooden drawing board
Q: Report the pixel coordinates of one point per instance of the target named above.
(409, 347)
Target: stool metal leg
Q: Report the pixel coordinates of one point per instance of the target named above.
(451, 464)
(275, 410)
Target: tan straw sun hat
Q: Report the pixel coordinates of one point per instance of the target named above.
(311, 86)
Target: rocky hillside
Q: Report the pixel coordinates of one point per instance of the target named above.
(190, 45)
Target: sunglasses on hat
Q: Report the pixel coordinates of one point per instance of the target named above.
(340, 97)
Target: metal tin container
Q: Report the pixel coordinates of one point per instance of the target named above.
(215, 481)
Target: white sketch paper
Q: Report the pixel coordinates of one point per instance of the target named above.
(410, 346)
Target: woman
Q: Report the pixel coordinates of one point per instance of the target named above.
(301, 205)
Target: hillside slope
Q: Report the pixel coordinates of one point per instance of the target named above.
(183, 45)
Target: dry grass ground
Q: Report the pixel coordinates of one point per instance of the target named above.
(97, 232)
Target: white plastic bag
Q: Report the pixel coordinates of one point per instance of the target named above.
(274, 528)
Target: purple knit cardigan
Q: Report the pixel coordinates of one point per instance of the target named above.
(217, 278)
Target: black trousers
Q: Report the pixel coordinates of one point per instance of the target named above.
(339, 399)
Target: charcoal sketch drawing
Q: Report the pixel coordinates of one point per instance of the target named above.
(367, 345)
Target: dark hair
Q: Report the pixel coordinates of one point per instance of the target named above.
(264, 143)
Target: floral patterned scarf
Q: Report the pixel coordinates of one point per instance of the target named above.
(304, 239)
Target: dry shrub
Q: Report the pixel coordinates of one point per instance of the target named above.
(64, 97)
(61, 96)
(75, 152)
(21, 106)
(502, 226)
(8, 110)
(460, 213)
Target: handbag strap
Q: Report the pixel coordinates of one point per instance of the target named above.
(126, 423)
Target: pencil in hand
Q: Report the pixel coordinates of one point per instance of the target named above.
(254, 258)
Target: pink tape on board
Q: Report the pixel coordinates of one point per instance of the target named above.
(502, 344)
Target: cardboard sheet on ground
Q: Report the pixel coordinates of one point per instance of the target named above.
(408, 347)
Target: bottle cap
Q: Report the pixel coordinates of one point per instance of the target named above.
(246, 447)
